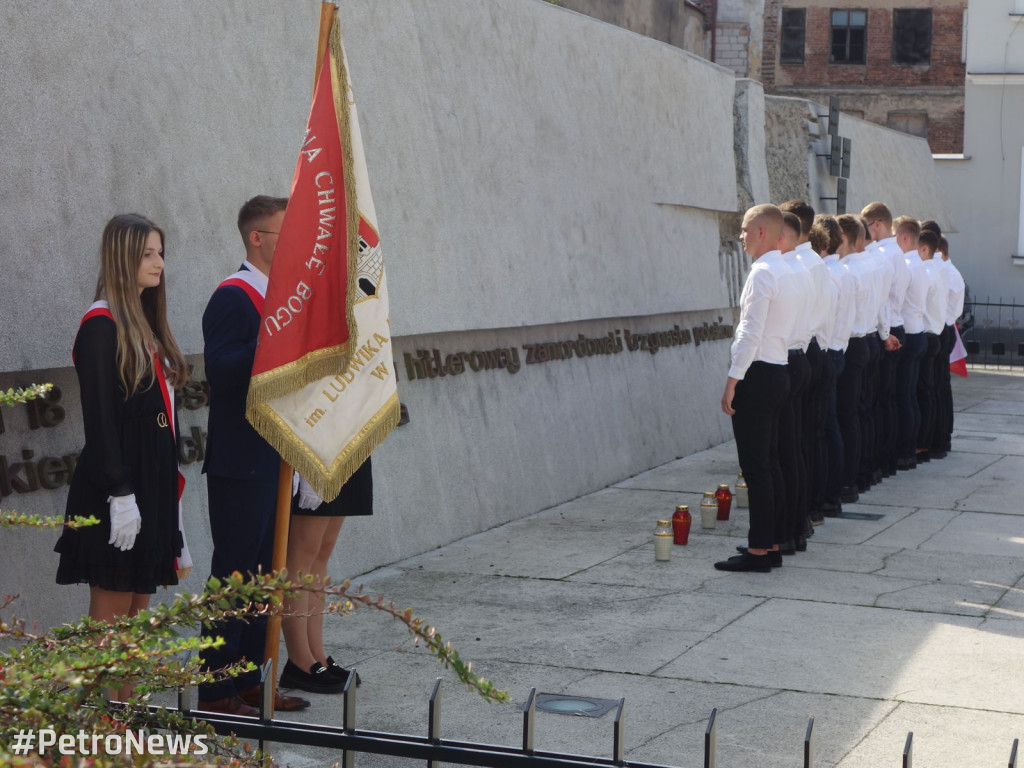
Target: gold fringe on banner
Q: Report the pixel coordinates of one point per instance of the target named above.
(327, 481)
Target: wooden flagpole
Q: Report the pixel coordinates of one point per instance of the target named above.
(284, 478)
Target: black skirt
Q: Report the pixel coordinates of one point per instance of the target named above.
(355, 499)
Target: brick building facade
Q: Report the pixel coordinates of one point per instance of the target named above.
(898, 64)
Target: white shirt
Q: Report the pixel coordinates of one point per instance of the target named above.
(801, 283)
(955, 300)
(768, 311)
(900, 280)
(937, 297)
(883, 274)
(846, 303)
(917, 294)
(865, 312)
(821, 303)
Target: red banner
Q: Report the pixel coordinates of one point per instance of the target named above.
(307, 312)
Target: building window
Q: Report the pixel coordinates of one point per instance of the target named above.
(912, 36)
(794, 21)
(914, 123)
(849, 37)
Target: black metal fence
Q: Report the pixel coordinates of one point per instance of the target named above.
(993, 333)
(350, 741)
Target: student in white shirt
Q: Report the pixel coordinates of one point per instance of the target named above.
(879, 222)
(758, 384)
(934, 317)
(907, 230)
(954, 308)
(791, 525)
(851, 378)
(827, 450)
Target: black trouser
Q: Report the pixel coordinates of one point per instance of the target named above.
(835, 361)
(848, 387)
(926, 392)
(868, 396)
(886, 413)
(814, 428)
(943, 392)
(906, 396)
(791, 456)
(242, 526)
(758, 403)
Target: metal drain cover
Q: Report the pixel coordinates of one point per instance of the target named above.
(860, 516)
(580, 706)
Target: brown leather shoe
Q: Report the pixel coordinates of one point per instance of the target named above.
(282, 703)
(232, 705)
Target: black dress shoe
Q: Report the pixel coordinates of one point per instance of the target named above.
(848, 494)
(904, 465)
(923, 457)
(787, 548)
(773, 554)
(317, 680)
(800, 544)
(339, 672)
(818, 517)
(282, 703)
(831, 510)
(232, 705)
(937, 454)
(746, 563)
(876, 477)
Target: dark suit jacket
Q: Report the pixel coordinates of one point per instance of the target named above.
(234, 449)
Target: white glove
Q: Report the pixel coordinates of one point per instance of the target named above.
(295, 483)
(125, 521)
(308, 498)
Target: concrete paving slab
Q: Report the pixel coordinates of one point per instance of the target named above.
(954, 567)
(981, 533)
(913, 529)
(872, 652)
(988, 423)
(1000, 407)
(851, 531)
(984, 442)
(944, 737)
(574, 624)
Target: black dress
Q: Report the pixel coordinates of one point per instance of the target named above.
(355, 499)
(129, 448)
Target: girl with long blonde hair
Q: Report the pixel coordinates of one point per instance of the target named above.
(128, 366)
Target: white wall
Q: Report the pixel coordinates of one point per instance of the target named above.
(537, 175)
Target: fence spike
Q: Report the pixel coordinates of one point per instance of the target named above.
(710, 739)
(529, 716)
(619, 740)
(434, 720)
(809, 744)
(348, 715)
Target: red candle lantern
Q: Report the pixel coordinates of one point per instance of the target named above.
(681, 520)
(724, 497)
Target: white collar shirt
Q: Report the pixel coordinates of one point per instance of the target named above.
(821, 302)
(937, 297)
(900, 280)
(768, 313)
(917, 294)
(802, 290)
(955, 300)
(846, 303)
(864, 316)
(882, 270)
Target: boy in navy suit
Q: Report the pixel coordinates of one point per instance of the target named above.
(241, 467)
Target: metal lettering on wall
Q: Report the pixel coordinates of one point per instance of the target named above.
(28, 473)
(430, 364)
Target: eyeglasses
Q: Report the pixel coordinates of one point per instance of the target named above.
(267, 232)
